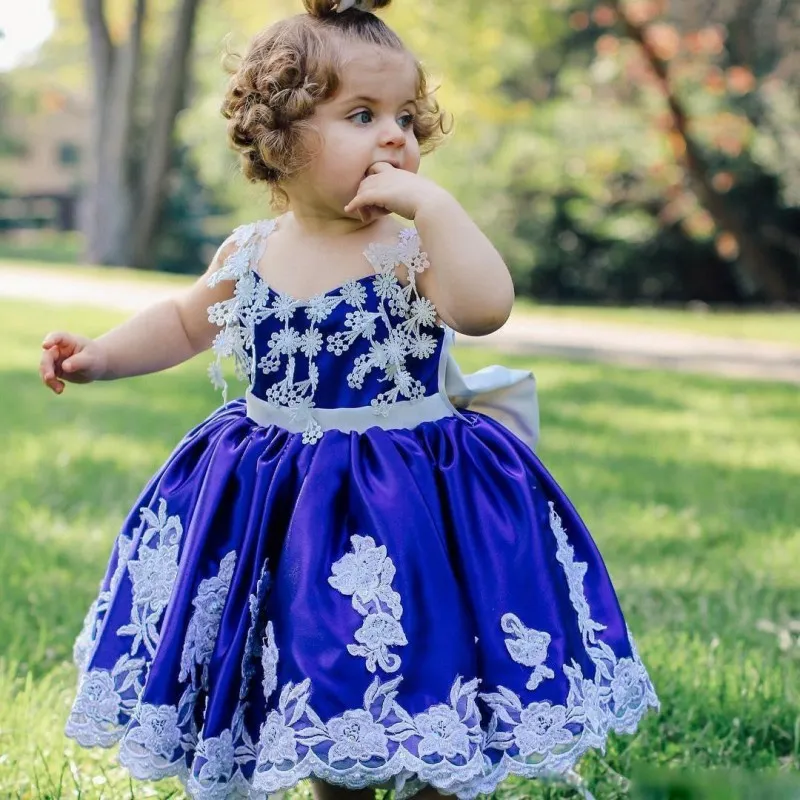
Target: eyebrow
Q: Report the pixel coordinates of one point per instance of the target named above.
(372, 101)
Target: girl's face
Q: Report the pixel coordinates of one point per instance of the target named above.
(369, 119)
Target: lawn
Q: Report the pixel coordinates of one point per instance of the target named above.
(782, 327)
(688, 483)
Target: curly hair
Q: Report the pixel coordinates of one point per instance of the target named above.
(288, 70)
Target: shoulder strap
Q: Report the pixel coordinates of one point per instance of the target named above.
(241, 251)
(239, 254)
(406, 251)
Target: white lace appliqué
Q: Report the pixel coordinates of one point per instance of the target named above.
(201, 635)
(269, 662)
(544, 737)
(625, 678)
(216, 771)
(394, 331)
(370, 744)
(85, 642)
(529, 648)
(366, 575)
(444, 745)
(107, 699)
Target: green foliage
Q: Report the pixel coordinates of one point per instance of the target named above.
(564, 150)
(10, 145)
(63, 249)
(687, 483)
(184, 243)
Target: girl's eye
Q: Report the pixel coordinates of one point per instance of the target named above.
(362, 117)
(406, 121)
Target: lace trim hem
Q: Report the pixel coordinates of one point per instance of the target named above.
(449, 745)
(405, 773)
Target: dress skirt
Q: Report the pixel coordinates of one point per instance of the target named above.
(395, 607)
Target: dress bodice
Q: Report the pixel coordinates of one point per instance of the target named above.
(370, 343)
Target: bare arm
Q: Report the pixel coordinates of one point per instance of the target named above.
(157, 338)
(468, 281)
(165, 334)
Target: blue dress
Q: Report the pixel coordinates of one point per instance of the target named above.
(359, 572)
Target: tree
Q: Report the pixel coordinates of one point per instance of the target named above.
(659, 44)
(131, 156)
(600, 189)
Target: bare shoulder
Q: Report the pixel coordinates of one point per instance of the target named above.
(233, 259)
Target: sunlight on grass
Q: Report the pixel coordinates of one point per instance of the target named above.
(101, 273)
(688, 483)
(769, 326)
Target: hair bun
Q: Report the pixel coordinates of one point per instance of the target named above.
(326, 8)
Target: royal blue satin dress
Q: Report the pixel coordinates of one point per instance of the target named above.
(359, 572)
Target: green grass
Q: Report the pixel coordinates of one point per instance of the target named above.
(42, 245)
(689, 484)
(768, 326)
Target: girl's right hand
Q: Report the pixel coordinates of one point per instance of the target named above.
(66, 357)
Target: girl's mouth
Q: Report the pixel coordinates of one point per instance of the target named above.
(390, 163)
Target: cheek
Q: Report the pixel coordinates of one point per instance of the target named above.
(412, 156)
(334, 165)
(342, 152)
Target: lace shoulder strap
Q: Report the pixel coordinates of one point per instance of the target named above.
(406, 251)
(239, 254)
(404, 299)
(241, 251)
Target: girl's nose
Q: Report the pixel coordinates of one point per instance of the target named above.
(392, 134)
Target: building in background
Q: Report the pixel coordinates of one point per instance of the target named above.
(43, 163)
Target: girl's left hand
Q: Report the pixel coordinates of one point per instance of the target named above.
(388, 190)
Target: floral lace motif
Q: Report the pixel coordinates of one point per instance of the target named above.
(372, 743)
(366, 575)
(626, 678)
(445, 745)
(106, 700)
(201, 635)
(235, 340)
(84, 644)
(269, 662)
(216, 772)
(394, 331)
(543, 737)
(529, 648)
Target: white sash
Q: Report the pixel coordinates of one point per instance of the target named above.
(506, 395)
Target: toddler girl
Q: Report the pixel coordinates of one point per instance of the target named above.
(359, 573)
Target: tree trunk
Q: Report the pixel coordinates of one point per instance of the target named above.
(169, 101)
(122, 192)
(102, 57)
(754, 256)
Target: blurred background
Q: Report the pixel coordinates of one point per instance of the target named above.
(637, 162)
(645, 152)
